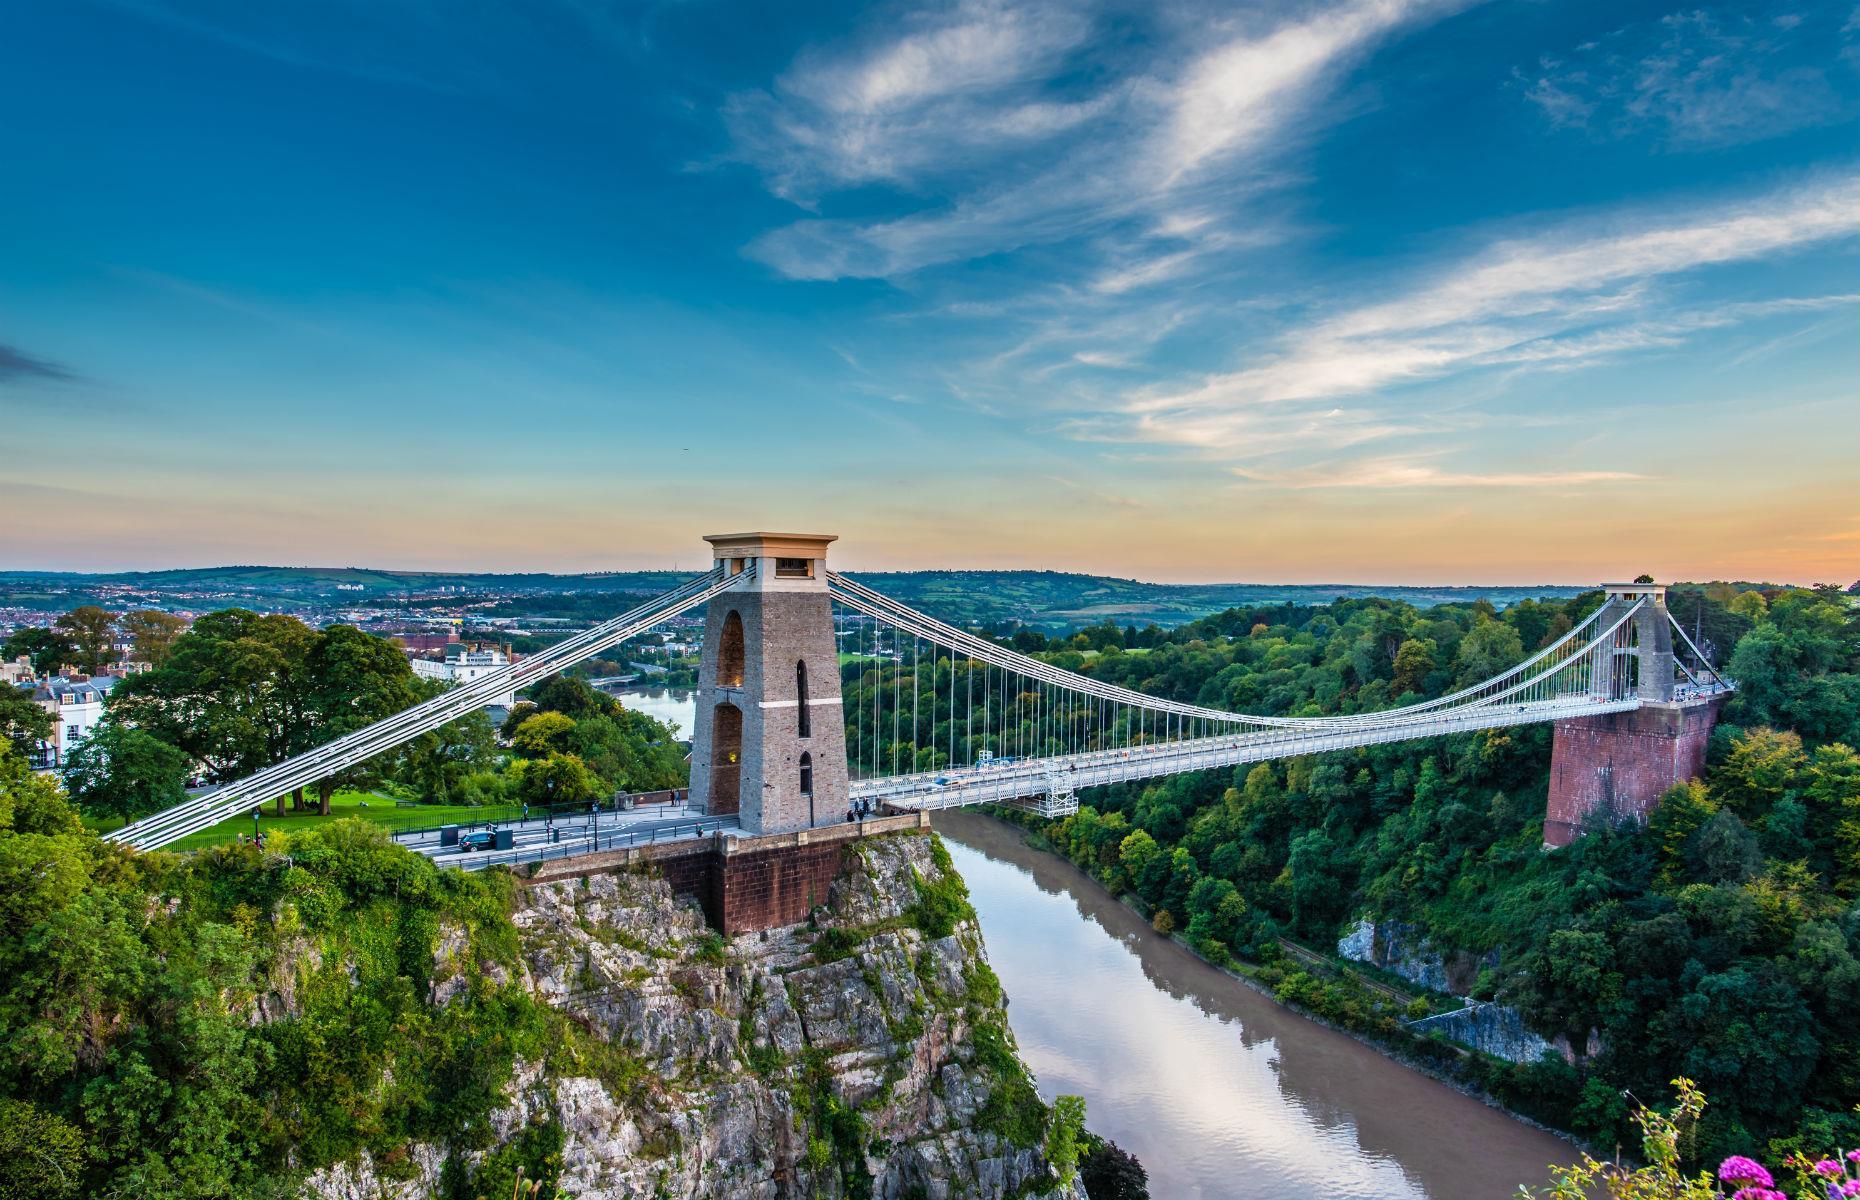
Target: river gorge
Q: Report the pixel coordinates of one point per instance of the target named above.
(1223, 1093)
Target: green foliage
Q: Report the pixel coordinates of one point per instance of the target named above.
(125, 773)
(525, 1165)
(1111, 1173)
(838, 1136)
(91, 632)
(132, 988)
(22, 722)
(49, 650)
(41, 1155)
(711, 950)
(1013, 1109)
(558, 779)
(1063, 1134)
(239, 691)
(543, 734)
(943, 904)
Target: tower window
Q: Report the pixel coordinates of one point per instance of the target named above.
(806, 719)
(794, 568)
(807, 774)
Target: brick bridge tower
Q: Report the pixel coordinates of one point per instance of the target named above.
(770, 742)
(1616, 766)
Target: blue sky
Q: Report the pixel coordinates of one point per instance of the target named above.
(1385, 290)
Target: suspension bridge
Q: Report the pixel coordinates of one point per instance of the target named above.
(819, 697)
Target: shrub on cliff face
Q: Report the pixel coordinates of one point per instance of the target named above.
(944, 904)
(1062, 1136)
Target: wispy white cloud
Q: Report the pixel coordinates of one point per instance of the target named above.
(974, 84)
(1393, 473)
(1696, 79)
(1562, 298)
(957, 87)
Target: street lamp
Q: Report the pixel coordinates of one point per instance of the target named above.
(255, 825)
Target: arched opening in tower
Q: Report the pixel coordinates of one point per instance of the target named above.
(726, 763)
(730, 652)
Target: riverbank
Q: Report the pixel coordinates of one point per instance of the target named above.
(1379, 1122)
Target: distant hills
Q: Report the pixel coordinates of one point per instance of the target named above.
(1044, 599)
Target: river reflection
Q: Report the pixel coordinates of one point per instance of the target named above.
(1218, 1090)
(676, 707)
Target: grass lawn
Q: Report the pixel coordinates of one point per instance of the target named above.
(380, 809)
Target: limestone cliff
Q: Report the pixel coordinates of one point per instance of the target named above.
(865, 1053)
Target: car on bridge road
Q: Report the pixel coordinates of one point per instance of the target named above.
(481, 839)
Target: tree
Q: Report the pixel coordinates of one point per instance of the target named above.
(572, 697)
(543, 734)
(1112, 1173)
(22, 721)
(232, 694)
(1138, 855)
(240, 691)
(154, 633)
(41, 1155)
(1414, 662)
(1750, 605)
(558, 779)
(47, 649)
(1567, 983)
(92, 631)
(123, 772)
(1723, 850)
(1062, 1137)
(1487, 650)
(1760, 770)
(440, 765)
(350, 680)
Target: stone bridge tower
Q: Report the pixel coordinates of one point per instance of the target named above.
(1616, 766)
(770, 742)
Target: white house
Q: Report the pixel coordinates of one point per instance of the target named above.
(462, 665)
(76, 705)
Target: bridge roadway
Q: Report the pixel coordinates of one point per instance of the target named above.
(1025, 779)
(563, 836)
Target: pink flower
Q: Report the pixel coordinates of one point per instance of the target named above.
(1758, 1193)
(1853, 1156)
(1830, 1168)
(1738, 1169)
(1851, 1188)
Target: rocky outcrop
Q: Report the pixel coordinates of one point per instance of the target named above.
(861, 1054)
(1494, 1029)
(1399, 949)
(1490, 1029)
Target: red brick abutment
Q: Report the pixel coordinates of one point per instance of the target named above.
(745, 884)
(1612, 768)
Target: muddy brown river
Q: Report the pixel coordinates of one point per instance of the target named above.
(1223, 1094)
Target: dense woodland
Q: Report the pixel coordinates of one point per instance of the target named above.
(1722, 943)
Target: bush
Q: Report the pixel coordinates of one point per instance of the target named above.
(1110, 1172)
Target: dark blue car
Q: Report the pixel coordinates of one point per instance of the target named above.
(482, 839)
